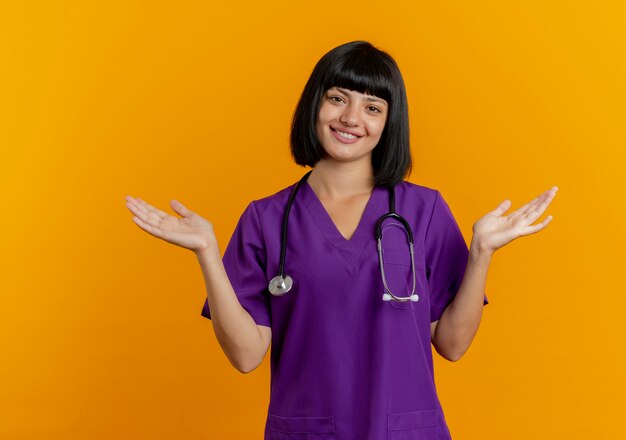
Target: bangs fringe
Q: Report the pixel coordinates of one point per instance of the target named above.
(361, 73)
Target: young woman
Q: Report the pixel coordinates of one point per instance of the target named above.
(350, 314)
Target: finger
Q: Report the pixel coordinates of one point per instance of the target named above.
(139, 211)
(528, 206)
(502, 207)
(148, 228)
(152, 209)
(524, 210)
(180, 208)
(538, 227)
(146, 216)
(130, 201)
(535, 212)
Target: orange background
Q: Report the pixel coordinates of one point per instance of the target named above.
(100, 329)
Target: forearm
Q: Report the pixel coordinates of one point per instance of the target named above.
(460, 320)
(234, 328)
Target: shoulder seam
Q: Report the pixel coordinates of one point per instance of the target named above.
(432, 212)
(258, 219)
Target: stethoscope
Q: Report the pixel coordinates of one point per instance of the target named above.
(281, 283)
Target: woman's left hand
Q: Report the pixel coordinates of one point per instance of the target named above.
(494, 230)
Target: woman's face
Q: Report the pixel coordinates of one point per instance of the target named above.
(349, 123)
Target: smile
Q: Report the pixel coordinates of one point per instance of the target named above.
(344, 134)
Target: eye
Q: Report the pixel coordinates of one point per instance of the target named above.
(336, 98)
(374, 109)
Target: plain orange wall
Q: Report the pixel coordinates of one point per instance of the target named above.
(100, 329)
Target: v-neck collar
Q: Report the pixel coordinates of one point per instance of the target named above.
(350, 249)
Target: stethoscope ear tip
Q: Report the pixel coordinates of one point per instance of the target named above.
(414, 297)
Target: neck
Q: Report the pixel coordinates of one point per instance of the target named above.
(336, 180)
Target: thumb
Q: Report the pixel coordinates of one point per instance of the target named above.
(502, 207)
(180, 208)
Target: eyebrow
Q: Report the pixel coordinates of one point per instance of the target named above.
(367, 98)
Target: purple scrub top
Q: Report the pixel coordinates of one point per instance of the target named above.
(345, 364)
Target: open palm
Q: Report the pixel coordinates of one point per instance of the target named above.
(494, 230)
(191, 231)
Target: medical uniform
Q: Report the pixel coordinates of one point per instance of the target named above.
(345, 364)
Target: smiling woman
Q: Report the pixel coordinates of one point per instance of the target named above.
(351, 127)
(350, 358)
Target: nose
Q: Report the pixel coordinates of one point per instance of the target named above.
(350, 116)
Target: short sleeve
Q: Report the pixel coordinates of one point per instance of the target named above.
(245, 261)
(446, 257)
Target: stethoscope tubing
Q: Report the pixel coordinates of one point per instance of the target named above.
(281, 283)
(283, 246)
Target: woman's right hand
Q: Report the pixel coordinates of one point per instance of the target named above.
(191, 231)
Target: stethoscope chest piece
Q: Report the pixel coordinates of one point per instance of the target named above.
(280, 285)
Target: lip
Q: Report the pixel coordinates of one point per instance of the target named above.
(344, 140)
(346, 131)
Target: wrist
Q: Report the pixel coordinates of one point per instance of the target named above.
(211, 251)
(478, 250)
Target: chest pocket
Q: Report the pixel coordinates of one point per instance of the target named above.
(399, 275)
(397, 256)
(397, 265)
